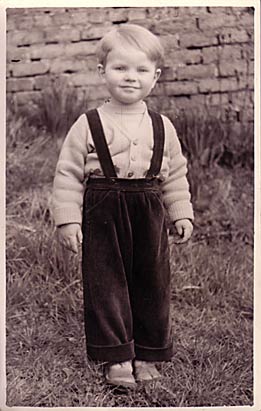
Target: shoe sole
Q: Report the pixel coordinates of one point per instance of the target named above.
(119, 383)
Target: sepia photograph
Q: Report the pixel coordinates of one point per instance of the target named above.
(130, 171)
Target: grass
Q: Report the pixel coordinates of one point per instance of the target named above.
(212, 294)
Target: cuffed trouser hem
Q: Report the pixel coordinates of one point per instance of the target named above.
(153, 354)
(111, 353)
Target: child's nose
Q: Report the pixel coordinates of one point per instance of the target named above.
(130, 75)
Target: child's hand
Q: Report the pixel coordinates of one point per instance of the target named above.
(70, 236)
(184, 228)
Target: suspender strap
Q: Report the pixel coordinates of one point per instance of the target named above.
(100, 143)
(103, 150)
(159, 137)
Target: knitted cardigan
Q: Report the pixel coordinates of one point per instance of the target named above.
(129, 136)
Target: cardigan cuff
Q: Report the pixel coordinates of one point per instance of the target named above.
(181, 210)
(67, 216)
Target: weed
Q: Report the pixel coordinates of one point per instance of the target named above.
(58, 107)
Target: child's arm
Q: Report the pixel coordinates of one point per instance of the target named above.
(175, 188)
(68, 188)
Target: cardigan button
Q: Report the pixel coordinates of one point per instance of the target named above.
(135, 142)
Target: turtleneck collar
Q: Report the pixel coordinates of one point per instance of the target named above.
(117, 108)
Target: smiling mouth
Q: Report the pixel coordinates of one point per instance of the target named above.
(129, 88)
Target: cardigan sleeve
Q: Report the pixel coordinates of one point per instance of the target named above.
(68, 186)
(175, 188)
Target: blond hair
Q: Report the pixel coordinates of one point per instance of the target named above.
(134, 36)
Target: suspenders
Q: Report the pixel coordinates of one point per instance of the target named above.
(100, 144)
(103, 150)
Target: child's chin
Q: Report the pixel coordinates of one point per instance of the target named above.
(129, 100)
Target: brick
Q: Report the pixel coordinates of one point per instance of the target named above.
(41, 82)
(175, 26)
(177, 88)
(251, 67)
(86, 79)
(47, 51)
(20, 84)
(17, 54)
(196, 71)
(95, 32)
(183, 57)
(60, 19)
(10, 24)
(243, 98)
(97, 15)
(8, 72)
(229, 84)
(219, 10)
(192, 11)
(80, 19)
(45, 10)
(231, 68)
(160, 13)
(83, 48)
(27, 97)
(15, 12)
(246, 83)
(211, 22)
(30, 69)
(210, 54)
(182, 102)
(228, 52)
(248, 51)
(217, 99)
(118, 14)
(23, 38)
(233, 35)
(196, 40)
(246, 20)
(137, 13)
(168, 73)
(60, 66)
(24, 22)
(224, 52)
(61, 35)
(169, 43)
(209, 86)
(43, 20)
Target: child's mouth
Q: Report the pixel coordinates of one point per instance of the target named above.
(129, 88)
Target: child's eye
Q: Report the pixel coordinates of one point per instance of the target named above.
(143, 70)
(120, 68)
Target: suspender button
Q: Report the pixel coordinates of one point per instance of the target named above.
(130, 174)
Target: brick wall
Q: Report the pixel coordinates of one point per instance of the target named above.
(209, 54)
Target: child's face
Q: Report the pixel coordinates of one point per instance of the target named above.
(129, 74)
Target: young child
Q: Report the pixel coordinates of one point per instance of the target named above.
(119, 174)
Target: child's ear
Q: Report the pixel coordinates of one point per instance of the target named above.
(157, 74)
(156, 77)
(101, 69)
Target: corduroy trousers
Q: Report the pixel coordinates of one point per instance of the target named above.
(126, 273)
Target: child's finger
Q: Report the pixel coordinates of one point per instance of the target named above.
(71, 244)
(74, 244)
(79, 236)
(180, 230)
(186, 234)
